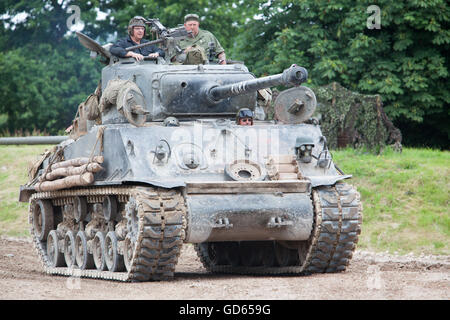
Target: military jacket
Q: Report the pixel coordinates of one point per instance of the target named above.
(202, 39)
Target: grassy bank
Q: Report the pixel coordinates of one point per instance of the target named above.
(405, 196)
(13, 173)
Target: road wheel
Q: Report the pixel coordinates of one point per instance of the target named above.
(69, 249)
(268, 254)
(216, 253)
(128, 253)
(232, 254)
(83, 257)
(114, 261)
(109, 206)
(285, 256)
(98, 249)
(250, 253)
(55, 256)
(80, 209)
(42, 211)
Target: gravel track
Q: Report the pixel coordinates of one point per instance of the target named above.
(369, 276)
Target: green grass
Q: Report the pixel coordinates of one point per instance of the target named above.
(13, 173)
(405, 196)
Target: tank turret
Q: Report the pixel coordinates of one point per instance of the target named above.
(185, 91)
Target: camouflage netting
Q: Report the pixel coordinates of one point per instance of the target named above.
(351, 119)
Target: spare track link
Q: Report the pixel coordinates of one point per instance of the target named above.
(161, 231)
(337, 225)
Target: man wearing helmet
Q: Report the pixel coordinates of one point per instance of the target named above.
(244, 117)
(136, 33)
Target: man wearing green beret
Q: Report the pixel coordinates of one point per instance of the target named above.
(196, 45)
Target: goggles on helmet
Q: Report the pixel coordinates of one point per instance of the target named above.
(245, 114)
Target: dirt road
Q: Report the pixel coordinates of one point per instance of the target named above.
(370, 276)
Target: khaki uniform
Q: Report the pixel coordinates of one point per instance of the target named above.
(202, 39)
(200, 44)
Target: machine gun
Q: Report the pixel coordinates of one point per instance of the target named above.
(212, 55)
(167, 37)
(211, 51)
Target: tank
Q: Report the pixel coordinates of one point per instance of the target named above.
(156, 160)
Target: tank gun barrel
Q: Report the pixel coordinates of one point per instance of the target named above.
(293, 76)
(33, 140)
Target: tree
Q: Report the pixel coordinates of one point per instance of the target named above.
(33, 22)
(46, 73)
(43, 92)
(405, 61)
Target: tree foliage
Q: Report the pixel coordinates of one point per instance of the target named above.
(42, 92)
(405, 61)
(46, 72)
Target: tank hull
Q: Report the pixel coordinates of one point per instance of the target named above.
(210, 183)
(234, 217)
(129, 152)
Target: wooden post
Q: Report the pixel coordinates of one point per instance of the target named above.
(76, 162)
(67, 182)
(71, 171)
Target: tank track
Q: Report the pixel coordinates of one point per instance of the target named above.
(337, 225)
(159, 234)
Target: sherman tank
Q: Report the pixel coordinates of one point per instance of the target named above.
(156, 160)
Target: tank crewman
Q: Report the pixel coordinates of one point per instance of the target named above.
(196, 45)
(244, 117)
(136, 33)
